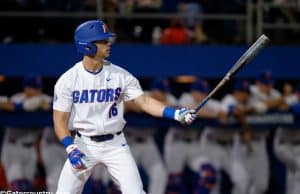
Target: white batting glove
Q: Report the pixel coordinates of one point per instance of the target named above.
(185, 116)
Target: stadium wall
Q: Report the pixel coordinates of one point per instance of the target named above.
(150, 60)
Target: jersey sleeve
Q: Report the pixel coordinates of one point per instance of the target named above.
(133, 88)
(62, 100)
(228, 103)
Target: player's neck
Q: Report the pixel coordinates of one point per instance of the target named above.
(91, 64)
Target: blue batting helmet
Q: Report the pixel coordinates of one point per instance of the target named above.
(89, 32)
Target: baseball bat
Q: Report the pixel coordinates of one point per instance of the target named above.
(255, 48)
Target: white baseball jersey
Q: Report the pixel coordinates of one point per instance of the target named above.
(229, 100)
(95, 100)
(28, 135)
(258, 95)
(291, 99)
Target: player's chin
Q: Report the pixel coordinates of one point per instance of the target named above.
(107, 54)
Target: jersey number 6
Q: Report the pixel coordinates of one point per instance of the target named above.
(113, 111)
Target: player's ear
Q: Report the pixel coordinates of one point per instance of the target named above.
(86, 48)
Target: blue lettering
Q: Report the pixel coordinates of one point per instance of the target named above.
(91, 96)
(84, 96)
(117, 93)
(101, 95)
(93, 92)
(75, 96)
(109, 95)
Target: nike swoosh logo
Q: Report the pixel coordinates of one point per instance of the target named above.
(108, 79)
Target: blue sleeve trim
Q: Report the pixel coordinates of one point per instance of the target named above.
(169, 112)
(231, 109)
(19, 107)
(66, 141)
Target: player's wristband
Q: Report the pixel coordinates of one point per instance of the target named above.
(66, 141)
(169, 112)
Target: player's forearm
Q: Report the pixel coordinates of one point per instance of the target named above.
(158, 109)
(150, 105)
(61, 124)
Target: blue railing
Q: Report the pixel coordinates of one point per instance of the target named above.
(255, 121)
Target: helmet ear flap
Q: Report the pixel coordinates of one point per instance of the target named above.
(86, 48)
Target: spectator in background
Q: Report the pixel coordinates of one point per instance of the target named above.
(175, 34)
(111, 7)
(19, 154)
(193, 20)
(287, 13)
(147, 5)
(143, 27)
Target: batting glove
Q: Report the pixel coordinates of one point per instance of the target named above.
(185, 116)
(76, 157)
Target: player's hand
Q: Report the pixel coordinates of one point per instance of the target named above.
(76, 157)
(185, 116)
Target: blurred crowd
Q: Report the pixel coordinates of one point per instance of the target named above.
(172, 159)
(190, 29)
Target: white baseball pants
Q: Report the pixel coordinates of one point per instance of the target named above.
(114, 154)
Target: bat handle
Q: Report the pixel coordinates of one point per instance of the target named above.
(204, 101)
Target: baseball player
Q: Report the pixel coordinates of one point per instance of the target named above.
(19, 155)
(142, 143)
(88, 98)
(287, 146)
(266, 98)
(243, 151)
(183, 147)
